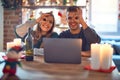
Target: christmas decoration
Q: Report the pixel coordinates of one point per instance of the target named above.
(11, 60)
(11, 4)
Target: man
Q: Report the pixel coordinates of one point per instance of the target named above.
(87, 34)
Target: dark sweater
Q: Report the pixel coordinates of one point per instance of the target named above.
(88, 36)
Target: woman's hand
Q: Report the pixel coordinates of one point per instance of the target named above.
(38, 20)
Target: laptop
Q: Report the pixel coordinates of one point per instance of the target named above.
(62, 50)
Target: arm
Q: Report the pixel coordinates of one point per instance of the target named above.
(85, 54)
(91, 35)
(22, 29)
(81, 20)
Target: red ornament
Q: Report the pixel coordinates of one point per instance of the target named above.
(59, 14)
(17, 48)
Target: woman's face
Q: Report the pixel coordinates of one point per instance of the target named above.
(46, 22)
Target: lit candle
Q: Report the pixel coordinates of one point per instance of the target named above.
(17, 41)
(95, 56)
(106, 56)
(111, 53)
(10, 45)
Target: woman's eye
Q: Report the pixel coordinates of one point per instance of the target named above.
(69, 17)
(44, 19)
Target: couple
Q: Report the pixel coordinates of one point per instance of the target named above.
(45, 25)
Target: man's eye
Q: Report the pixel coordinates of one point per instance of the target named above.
(76, 17)
(44, 19)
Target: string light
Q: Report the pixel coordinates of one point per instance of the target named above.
(87, 10)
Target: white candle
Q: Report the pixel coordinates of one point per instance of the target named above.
(10, 45)
(111, 53)
(17, 41)
(106, 56)
(95, 56)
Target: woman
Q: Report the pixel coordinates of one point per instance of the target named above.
(45, 25)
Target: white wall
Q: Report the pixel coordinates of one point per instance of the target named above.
(105, 15)
(1, 27)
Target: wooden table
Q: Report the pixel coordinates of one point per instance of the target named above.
(39, 70)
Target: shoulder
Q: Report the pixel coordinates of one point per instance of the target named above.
(64, 33)
(54, 35)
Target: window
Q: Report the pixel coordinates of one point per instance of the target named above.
(104, 17)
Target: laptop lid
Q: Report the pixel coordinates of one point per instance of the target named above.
(61, 50)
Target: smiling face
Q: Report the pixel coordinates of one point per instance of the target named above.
(46, 22)
(73, 20)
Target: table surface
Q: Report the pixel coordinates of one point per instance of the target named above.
(39, 70)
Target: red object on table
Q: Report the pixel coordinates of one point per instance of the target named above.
(88, 67)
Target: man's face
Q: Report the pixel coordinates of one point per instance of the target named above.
(73, 20)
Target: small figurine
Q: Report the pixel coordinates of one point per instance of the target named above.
(12, 59)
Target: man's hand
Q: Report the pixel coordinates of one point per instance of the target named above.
(85, 54)
(82, 22)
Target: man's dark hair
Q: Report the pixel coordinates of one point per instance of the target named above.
(72, 9)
